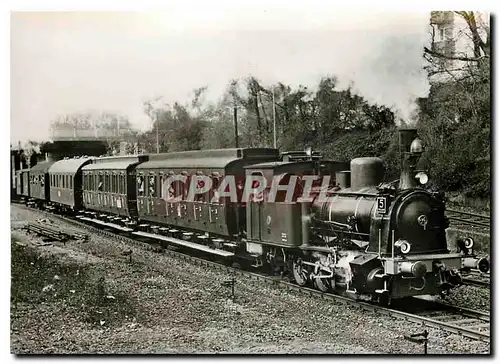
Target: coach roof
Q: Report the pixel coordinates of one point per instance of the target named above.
(42, 167)
(115, 163)
(213, 158)
(69, 165)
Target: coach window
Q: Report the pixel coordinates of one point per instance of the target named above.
(140, 185)
(200, 184)
(105, 178)
(152, 185)
(120, 181)
(179, 189)
(100, 182)
(215, 187)
(70, 181)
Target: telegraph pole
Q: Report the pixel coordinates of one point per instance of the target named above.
(235, 125)
(157, 136)
(274, 119)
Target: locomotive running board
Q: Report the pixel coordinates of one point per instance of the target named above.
(109, 224)
(184, 243)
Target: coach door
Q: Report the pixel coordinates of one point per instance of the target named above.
(255, 213)
(151, 193)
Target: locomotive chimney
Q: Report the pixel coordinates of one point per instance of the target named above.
(410, 150)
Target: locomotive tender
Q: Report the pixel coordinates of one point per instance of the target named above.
(342, 230)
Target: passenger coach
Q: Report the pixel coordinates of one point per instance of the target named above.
(109, 187)
(39, 182)
(66, 183)
(22, 183)
(221, 218)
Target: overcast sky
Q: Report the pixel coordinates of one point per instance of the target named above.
(71, 62)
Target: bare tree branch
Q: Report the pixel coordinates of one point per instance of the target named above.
(453, 58)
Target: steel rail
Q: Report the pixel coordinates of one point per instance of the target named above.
(475, 282)
(424, 320)
(469, 218)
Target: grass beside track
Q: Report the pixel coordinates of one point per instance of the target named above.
(39, 279)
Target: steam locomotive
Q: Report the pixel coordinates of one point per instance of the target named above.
(296, 214)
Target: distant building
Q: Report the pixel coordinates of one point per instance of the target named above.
(452, 37)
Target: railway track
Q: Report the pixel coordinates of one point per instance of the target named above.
(477, 279)
(467, 218)
(459, 320)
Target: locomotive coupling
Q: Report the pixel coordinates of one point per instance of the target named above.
(482, 264)
(416, 269)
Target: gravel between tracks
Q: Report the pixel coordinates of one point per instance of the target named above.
(181, 308)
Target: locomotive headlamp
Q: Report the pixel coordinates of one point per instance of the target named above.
(403, 246)
(416, 146)
(469, 243)
(422, 178)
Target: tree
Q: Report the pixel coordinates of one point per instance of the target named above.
(456, 120)
(174, 128)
